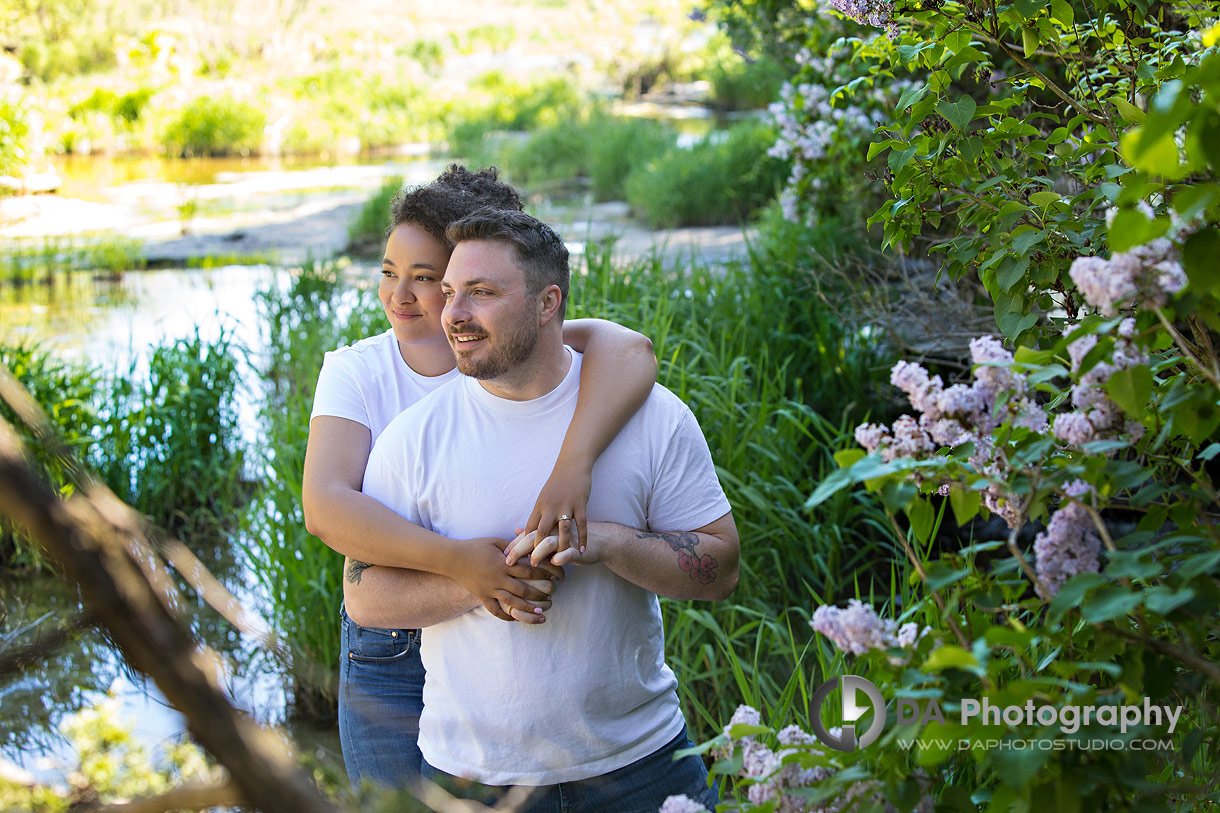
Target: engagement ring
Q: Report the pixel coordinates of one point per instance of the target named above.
(563, 517)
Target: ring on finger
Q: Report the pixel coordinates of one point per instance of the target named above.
(564, 517)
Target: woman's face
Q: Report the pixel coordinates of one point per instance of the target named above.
(410, 289)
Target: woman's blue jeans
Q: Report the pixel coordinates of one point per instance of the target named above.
(381, 695)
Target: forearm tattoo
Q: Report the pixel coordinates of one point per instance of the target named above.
(701, 568)
(354, 570)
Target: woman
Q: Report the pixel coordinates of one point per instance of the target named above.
(360, 389)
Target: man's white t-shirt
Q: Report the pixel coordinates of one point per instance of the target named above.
(369, 382)
(588, 691)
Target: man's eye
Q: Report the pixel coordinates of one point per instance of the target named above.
(482, 292)
(447, 293)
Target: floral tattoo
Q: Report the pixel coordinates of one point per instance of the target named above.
(354, 570)
(701, 568)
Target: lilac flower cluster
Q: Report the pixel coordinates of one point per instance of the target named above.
(877, 13)
(1143, 277)
(1069, 545)
(812, 130)
(960, 414)
(1096, 416)
(857, 628)
(772, 774)
(682, 804)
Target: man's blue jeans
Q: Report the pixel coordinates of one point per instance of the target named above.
(641, 787)
(381, 695)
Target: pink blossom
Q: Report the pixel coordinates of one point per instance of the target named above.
(857, 628)
(1068, 546)
(682, 804)
(1073, 428)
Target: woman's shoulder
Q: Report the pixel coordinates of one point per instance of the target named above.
(370, 351)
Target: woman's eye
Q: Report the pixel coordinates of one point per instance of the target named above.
(425, 278)
(387, 273)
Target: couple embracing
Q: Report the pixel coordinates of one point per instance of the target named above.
(510, 507)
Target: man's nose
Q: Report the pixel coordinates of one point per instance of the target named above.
(456, 312)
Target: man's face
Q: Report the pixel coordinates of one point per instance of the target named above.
(490, 318)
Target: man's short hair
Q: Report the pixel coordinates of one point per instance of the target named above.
(457, 193)
(540, 252)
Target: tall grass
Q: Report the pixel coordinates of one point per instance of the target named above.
(366, 234)
(299, 573)
(28, 261)
(778, 384)
(171, 444)
(722, 179)
(599, 149)
(165, 440)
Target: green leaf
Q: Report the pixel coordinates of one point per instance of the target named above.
(1199, 259)
(910, 96)
(1126, 564)
(846, 458)
(1027, 237)
(1044, 198)
(1029, 40)
(1071, 593)
(1109, 602)
(1130, 389)
(922, 517)
(1157, 158)
(941, 574)
(949, 656)
(1198, 563)
(1164, 600)
(1061, 10)
(959, 113)
(1131, 228)
(965, 503)
(1011, 271)
(1130, 113)
(898, 160)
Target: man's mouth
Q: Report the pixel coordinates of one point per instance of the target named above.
(466, 338)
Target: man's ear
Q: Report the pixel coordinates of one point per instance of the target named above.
(548, 303)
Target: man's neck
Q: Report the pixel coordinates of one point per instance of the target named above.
(539, 374)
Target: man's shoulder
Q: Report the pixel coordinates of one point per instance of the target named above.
(440, 405)
(664, 407)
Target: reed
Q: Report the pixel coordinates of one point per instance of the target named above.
(300, 575)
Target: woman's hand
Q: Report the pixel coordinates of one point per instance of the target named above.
(501, 588)
(560, 508)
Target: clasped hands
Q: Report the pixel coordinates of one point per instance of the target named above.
(515, 579)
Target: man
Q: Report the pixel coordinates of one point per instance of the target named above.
(578, 700)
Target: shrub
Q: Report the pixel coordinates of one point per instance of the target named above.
(601, 148)
(14, 130)
(367, 234)
(724, 178)
(214, 126)
(500, 103)
(745, 84)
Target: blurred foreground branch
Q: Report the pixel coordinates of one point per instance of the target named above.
(100, 546)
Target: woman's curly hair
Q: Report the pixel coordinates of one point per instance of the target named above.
(457, 193)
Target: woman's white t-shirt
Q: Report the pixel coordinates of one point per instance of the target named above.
(369, 382)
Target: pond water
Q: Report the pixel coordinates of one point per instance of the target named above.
(112, 324)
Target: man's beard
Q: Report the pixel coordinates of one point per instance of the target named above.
(507, 352)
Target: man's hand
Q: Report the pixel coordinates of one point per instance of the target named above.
(516, 592)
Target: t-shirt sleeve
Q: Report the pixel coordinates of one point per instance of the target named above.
(686, 493)
(339, 393)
